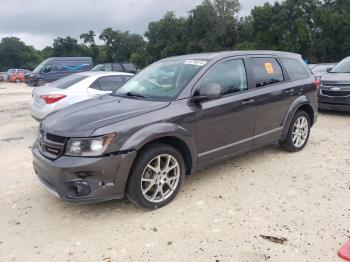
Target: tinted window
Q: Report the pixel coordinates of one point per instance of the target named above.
(129, 68)
(110, 83)
(230, 75)
(67, 81)
(118, 68)
(267, 71)
(294, 69)
(96, 85)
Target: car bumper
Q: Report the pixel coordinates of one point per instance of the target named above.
(84, 179)
(334, 103)
(38, 113)
(334, 107)
(30, 81)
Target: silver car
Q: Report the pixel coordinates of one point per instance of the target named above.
(73, 89)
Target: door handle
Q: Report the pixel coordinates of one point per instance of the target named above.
(248, 101)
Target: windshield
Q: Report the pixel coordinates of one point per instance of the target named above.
(342, 67)
(39, 67)
(67, 81)
(99, 67)
(161, 80)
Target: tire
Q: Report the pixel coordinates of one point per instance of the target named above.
(290, 143)
(18, 80)
(40, 82)
(149, 186)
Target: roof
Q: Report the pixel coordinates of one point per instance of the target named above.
(223, 54)
(104, 73)
(68, 58)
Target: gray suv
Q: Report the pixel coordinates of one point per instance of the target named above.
(177, 116)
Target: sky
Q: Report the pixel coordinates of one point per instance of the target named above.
(38, 22)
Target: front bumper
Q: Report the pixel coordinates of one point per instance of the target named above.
(334, 107)
(84, 179)
(334, 103)
(30, 81)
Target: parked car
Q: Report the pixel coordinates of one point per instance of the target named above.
(117, 67)
(334, 93)
(16, 75)
(2, 76)
(55, 68)
(142, 140)
(322, 69)
(73, 89)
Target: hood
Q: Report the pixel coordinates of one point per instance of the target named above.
(81, 119)
(336, 78)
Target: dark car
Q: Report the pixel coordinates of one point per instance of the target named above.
(55, 68)
(334, 93)
(117, 67)
(142, 140)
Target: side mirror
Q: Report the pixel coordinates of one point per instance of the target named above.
(329, 69)
(208, 92)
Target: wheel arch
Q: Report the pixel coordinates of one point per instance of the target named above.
(302, 103)
(166, 133)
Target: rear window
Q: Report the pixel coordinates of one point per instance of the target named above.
(267, 71)
(294, 69)
(67, 81)
(129, 68)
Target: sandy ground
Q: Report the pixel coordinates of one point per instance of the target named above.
(219, 215)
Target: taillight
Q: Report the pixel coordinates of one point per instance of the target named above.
(317, 83)
(50, 99)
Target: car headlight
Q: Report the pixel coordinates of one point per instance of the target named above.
(94, 146)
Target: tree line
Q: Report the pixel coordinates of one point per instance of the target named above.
(317, 29)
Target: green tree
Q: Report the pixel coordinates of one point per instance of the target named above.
(89, 40)
(67, 47)
(16, 54)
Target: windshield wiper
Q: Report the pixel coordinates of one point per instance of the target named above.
(133, 94)
(130, 94)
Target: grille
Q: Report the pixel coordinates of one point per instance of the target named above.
(342, 93)
(51, 146)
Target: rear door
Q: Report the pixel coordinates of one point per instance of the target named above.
(275, 93)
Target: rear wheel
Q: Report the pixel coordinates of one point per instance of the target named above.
(40, 82)
(18, 80)
(298, 133)
(156, 176)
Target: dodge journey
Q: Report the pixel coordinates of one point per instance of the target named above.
(177, 116)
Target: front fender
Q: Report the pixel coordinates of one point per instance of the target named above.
(299, 102)
(161, 130)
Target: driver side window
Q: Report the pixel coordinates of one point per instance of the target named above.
(47, 69)
(230, 75)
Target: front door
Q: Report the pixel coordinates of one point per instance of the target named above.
(225, 126)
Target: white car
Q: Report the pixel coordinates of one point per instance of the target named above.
(73, 89)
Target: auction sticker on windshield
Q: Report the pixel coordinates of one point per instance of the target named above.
(195, 62)
(269, 68)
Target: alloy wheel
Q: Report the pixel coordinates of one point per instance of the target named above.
(160, 178)
(300, 131)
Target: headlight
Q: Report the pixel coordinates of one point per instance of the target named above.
(94, 146)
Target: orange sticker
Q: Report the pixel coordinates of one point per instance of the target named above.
(269, 68)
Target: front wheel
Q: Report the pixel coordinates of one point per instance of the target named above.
(156, 176)
(40, 82)
(298, 133)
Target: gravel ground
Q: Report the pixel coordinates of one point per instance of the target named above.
(219, 215)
